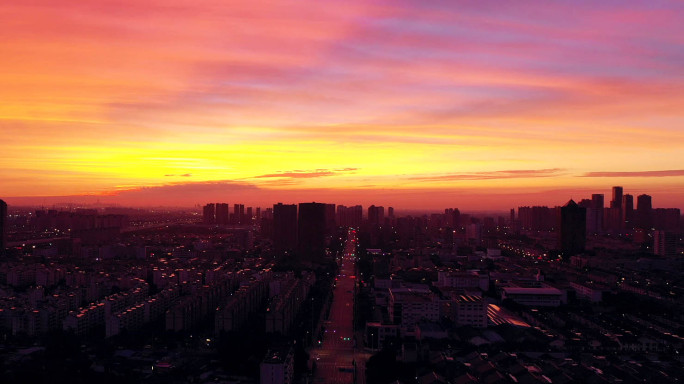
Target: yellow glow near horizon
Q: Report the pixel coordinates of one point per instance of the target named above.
(380, 98)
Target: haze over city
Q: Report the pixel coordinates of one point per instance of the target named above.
(411, 104)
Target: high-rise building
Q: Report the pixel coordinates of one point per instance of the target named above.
(330, 219)
(474, 233)
(238, 216)
(612, 219)
(595, 214)
(311, 230)
(536, 218)
(3, 226)
(617, 198)
(222, 216)
(666, 219)
(664, 243)
(456, 218)
(249, 215)
(644, 203)
(628, 211)
(643, 211)
(452, 218)
(612, 215)
(572, 229)
(284, 226)
(376, 215)
(209, 214)
(349, 216)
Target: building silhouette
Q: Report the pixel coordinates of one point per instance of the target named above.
(209, 214)
(535, 218)
(628, 211)
(349, 216)
(376, 215)
(284, 226)
(330, 222)
(612, 215)
(249, 215)
(616, 202)
(643, 212)
(664, 243)
(666, 219)
(3, 226)
(222, 217)
(595, 214)
(572, 229)
(238, 216)
(311, 230)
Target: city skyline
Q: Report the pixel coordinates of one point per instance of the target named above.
(486, 106)
(423, 201)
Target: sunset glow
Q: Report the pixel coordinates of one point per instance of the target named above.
(403, 103)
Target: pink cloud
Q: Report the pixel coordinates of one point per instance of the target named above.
(510, 174)
(665, 173)
(301, 174)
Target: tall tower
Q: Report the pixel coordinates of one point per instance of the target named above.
(572, 229)
(617, 198)
(628, 211)
(312, 225)
(238, 216)
(3, 226)
(664, 243)
(330, 224)
(376, 215)
(284, 226)
(209, 214)
(644, 211)
(222, 217)
(595, 214)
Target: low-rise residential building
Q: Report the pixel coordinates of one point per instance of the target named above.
(407, 308)
(277, 367)
(533, 296)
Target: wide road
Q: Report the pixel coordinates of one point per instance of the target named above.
(335, 355)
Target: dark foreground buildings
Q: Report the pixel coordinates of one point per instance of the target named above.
(312, 227)
(284, 226)
(3, 226)
(572, 223)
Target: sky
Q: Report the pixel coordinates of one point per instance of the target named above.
(479, 104)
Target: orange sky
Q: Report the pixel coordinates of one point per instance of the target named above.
(413, 104)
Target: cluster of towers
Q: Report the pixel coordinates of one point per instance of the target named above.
(591, 216)
(621, 215)
(219, 214)
(303, 227)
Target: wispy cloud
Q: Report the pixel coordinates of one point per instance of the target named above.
(195, 186)
(664, 173)
(509, 174)
(304, 174)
